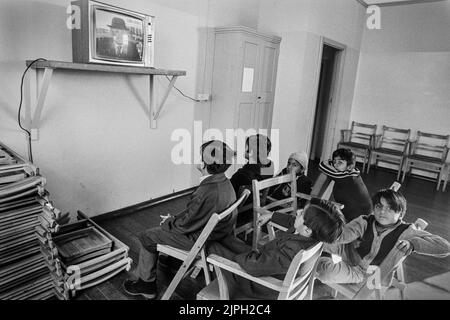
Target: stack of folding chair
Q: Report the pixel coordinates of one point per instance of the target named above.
(82, 255)
(38, 258)
(23, 199)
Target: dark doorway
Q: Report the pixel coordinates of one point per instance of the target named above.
(324, 101)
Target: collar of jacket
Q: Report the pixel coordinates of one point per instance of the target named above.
(215, 178)
(256, 166)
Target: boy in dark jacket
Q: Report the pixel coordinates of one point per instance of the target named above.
(320, 221)
(372, 240)
(349, 188)
(259, 167)
(214, 194)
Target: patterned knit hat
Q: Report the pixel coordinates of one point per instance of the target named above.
(301, 157)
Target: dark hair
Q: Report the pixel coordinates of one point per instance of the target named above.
(217, 156)
(324, 219)
(394, 199)
(260, 145)
(345, 154)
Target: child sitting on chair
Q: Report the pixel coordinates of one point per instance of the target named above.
(349, 188)
(369, 240)
(258, 166)
(214, 194)
(320, 221)
(298, 163)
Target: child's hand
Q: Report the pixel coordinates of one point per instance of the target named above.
(405, 246)
(164, 218)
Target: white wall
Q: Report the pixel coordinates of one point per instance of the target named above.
(96, 148)
(404, 71)
(301, 24)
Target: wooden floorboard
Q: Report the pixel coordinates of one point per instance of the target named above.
(423, 202)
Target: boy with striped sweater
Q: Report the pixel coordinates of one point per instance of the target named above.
(349, 188)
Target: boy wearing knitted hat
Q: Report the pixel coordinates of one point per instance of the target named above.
(298, 163)
(214, 194)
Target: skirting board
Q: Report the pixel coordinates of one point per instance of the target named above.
(142, 206)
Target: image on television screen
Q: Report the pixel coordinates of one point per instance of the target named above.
(118, 36)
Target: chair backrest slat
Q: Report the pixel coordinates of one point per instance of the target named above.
(300, 272)
(432, 145)
(395, 138)
(362, 133)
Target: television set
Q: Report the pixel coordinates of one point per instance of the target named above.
(108, 34)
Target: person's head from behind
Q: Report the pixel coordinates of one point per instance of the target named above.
(344, 159)
(257, 148)
(389, 207)
(321, 220)
(216, 157)
(298, 163)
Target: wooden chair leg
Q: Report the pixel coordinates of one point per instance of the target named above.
(446, 178)
(405, 171)
(370, 162)
(364, 163)
(400, 170)
(175, 281)
(440, 176)
(205, 267)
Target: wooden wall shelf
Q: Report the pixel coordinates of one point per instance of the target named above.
(49, 66)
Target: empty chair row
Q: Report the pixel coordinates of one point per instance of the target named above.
(427, 152)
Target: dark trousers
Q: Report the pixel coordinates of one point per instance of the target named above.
(148, 255)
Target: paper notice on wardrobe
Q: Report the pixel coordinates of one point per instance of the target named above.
(247, 80)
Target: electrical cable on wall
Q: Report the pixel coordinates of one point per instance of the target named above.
(20, 107)
(184, 95)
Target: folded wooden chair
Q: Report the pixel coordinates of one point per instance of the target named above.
(429, 153)
(359, 139)
(188, 257)
(391, 147)
(297, 284)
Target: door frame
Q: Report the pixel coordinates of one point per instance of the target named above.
(335, 92)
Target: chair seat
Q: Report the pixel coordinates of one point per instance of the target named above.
(354, 145)
(419, 157)
(390, 152)
(173, 252)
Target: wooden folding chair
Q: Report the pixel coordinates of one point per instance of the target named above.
(297, 284)
(259, 209)
(197, 249)
(429, 153)
(360, 139)
(247, 227)
(322, 189)
(391, 147)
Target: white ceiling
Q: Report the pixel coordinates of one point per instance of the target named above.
(394, 2)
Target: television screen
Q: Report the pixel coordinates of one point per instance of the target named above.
(118, 36)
